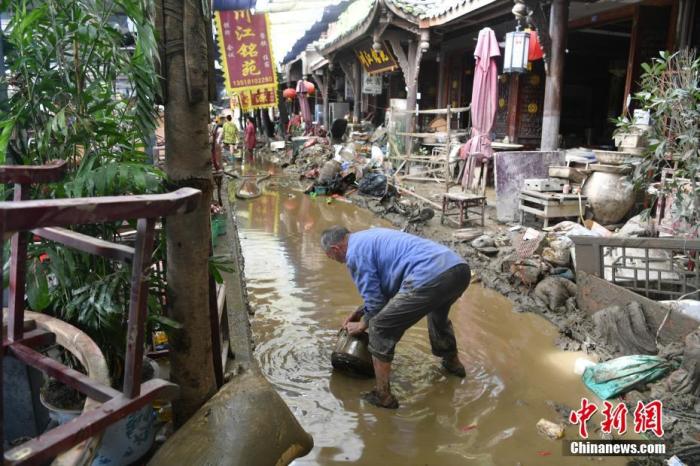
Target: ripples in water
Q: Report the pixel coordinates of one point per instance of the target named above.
(301, 298)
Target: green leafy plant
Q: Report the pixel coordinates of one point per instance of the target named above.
(669, 90)
(67, 62)
(219, 264)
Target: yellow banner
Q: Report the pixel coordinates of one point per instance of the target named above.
(246, 52)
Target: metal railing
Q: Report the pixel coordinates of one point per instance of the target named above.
(658, 268)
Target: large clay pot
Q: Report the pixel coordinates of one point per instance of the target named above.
(88, 353)
(609, 192)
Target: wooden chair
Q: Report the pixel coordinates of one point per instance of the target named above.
(47, 219)
(472, 199)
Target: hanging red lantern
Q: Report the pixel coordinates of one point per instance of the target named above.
(310, 88)
(289, 94)
(534, 51)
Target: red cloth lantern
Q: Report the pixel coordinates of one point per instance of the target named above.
(289, 94)
(310, 88)
(535, 51)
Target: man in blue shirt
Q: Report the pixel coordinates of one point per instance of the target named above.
(401, 278)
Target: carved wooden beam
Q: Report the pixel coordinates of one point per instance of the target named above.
(347, 68)
(401, 56)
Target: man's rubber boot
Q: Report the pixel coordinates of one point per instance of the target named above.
(454, 367)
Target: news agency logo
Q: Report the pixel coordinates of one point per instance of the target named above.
(647, 419)
(613, 448)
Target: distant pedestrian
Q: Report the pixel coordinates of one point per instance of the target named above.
(215, 140)
(250, 139)
(294, 124)
(230, 134)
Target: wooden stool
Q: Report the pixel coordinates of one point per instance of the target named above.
(466, 203)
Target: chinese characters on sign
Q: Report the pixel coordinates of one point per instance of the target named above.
(647, 417)
(371, 84)
(376, 61)
(244, 42)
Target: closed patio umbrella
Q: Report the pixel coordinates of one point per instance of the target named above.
(304, 103)
(483, 105)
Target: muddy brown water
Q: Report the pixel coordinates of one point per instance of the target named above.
(489, 418)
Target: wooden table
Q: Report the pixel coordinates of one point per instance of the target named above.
(549, 205)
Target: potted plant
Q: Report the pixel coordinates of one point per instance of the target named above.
(670, 92)
(79, 93)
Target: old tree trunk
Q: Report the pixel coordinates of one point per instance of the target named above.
(185, 68)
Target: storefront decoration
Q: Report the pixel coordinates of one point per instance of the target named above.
(246, 51)
(289, 94)
(516, 55)
(376, 61)
(535, 50)
(371, 84)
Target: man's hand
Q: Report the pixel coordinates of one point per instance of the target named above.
(355, 328)
(355, 316)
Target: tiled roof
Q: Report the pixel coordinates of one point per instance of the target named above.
(351, 19)
(359, 11)
(330, 14)
(427, 9)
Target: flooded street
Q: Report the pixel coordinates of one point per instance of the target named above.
(301, 299)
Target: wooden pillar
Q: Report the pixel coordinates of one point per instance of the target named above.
(558, 21)
(348, 68)
(357, 92)
(409, 61)
(631, 59)
(448, 148)
(513, 107)
(442, 101)
(324, 83)
(684, 27)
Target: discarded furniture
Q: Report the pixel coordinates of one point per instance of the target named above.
(466, 203)
(510, 171)
(658, 268)
(438, 170)
(549, 205)
(543, 185)
(48, 219)
(472, 198)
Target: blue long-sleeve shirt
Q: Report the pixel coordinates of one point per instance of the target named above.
(383, 262)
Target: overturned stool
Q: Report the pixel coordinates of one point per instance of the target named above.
(466, 203)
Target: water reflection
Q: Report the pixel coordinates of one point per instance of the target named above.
(301, 298)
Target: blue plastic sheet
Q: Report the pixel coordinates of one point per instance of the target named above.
(612, 378)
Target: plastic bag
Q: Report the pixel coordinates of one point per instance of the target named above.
(612, 378)
(373, 184)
